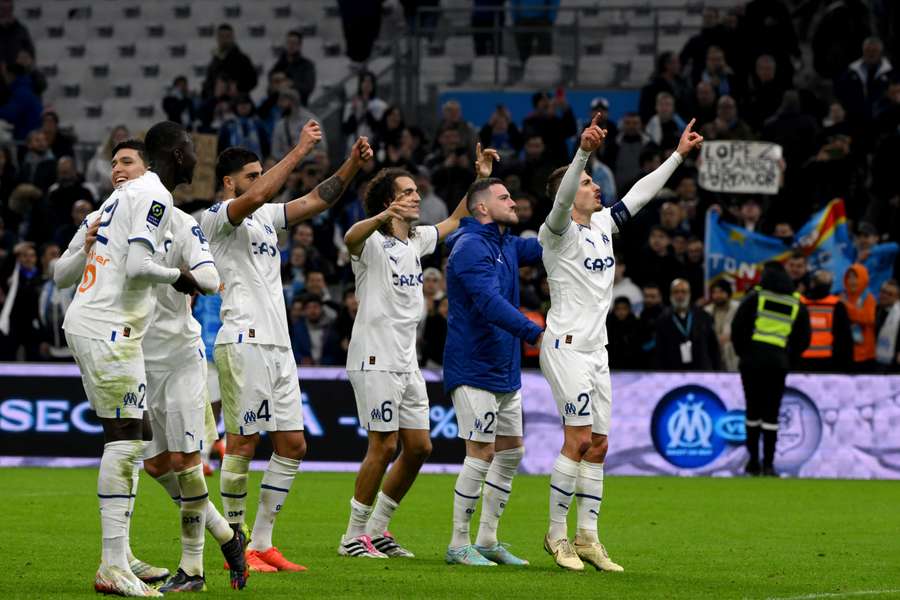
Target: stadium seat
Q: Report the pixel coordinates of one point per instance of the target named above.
(486, 70)
(595, 70)
(461, 48)
(542, 71)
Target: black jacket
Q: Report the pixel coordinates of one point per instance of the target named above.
(761, 355)
(705, 352)
(301, 71)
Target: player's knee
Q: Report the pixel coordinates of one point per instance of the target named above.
(295, 448)
(384, 450)
(117, 430)
(418, 452)
(157, 466)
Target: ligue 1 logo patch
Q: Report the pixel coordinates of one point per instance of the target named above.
(154, 216)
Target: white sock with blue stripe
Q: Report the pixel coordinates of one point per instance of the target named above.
(194, 498)
(562, 492)
(276, 484)
(589, 492)
(497, 488)
(114, 491)
(215, 522)
(465, 497)
(233, 487)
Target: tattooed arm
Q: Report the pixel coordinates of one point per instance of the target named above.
(268, 185)
(327, 193)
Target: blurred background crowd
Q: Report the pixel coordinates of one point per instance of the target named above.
(819, 83)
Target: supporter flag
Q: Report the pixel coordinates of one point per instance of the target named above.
(738, 255)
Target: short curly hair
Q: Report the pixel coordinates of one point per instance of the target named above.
(381, 193)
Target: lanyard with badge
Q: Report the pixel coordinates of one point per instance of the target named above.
(855, 328)
(686, 347)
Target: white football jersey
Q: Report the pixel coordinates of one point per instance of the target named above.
(107, 304)
(249, 265)
(174, 336)
(389, 288)
(580, 266)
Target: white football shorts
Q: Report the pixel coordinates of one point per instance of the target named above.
(259, 386)
(177, 403)
(482, 415)
(581, 386)
(388, 401)
(113, 375)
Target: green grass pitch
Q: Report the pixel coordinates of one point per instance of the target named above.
(676, 538)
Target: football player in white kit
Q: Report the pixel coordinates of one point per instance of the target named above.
(105, 325)
(391, 399)
(578, 256)
(177, 405)
(257, 373)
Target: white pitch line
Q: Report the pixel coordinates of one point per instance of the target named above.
(837, 595)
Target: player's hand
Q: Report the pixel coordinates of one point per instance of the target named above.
(362, 152)
(405, 209)
(310, 135)
(186, 284)
(592, 137)
(484, 161)
(90, 236)
(690, 140)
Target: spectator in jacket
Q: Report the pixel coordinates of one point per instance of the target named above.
(629, 144)
(501, 133)
(727, 125)
(179, 103)
(624, 332)
(864, 82)
(665, 127)
(21, 286)
(764, 92)
(666, 78)
(23, 107)
(722, 310)
(363, 112)
(287, 129)
(693, 55)
(68, 189)
(299, 69)
(685, 336)
(554, 121)
(228, 60)
(13, 35)
(38, 166)
(860, 304)
(482, 357)
(60, 142)
(887, 323)
(831, 346)
(245, 129)
(718, 73)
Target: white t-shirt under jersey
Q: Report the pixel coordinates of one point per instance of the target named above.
(107, 304)
(389, 288)
(249, 266)
(580, 268)
(174, 337)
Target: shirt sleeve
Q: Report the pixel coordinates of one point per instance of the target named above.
(149, 219)
(276, 213)
(214, 221)
(195, 250)
(558, 243)
(426, 239)
(371, 245)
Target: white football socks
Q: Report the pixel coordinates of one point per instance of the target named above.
(562, 489)
(194, 499)
(215, 522)
(497, 488)
(233, 487)
(381, 516)
(276, 484)
(465, 497)
(359, 517)
(589, 491)
(135, 478)
(114, 491)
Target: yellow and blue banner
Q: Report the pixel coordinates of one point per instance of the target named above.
(738, 255)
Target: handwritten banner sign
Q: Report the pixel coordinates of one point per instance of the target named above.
(738, 167)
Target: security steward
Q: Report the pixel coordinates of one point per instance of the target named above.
(831, 346)
(770, 331)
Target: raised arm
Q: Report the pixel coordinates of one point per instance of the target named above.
(561, 213)
(329, 191)
(648, 186)
(273, 180)
(356, 236)
(484, 164)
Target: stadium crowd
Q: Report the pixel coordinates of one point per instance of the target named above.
(740, 77)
